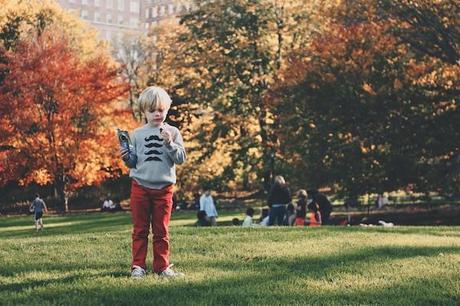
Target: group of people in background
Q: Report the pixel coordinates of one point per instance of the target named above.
(109, 205)
(311, 209)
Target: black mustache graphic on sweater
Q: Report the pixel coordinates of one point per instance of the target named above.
(153, 145)
(153, 137)
(156, 152)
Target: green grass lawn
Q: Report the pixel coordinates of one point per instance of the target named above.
(84, 260)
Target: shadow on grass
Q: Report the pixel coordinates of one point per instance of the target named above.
(78, 224)
(260, 280)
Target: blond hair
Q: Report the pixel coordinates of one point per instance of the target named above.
(302, 193)
(154, 97)
(279, 180)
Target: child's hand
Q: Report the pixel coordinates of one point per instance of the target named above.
(166, 135)
(124, 153)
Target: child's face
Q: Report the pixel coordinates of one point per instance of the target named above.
(156, 116)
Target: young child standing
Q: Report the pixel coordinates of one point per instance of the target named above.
(157, 148)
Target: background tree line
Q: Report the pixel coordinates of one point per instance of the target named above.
(360, 96)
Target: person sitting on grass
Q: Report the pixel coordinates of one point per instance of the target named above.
(264, 217)
(314, 214)
(323, 204)
(37, 207)
(247, 222)
(202, 219)
(301, 209)
(236, 222)
(300, 216)
(108, 205)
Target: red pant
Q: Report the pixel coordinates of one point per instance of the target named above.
(151, 206)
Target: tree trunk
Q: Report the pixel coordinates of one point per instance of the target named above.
(59, 192)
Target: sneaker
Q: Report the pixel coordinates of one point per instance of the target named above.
(137, 272)
(170, 273)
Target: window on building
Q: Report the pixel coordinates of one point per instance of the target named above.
(121, 5)
(133, 22)
(84, 14)
(120, 19)
(134, 6)
(109, 18)
(97, 16)
(109, 3)
(162, 10)
(85, 2)
(97, 2)
(155, 11)
(147, 13)
(171, 9)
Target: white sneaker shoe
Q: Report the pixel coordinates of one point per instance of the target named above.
(170, 273)
(137, 272)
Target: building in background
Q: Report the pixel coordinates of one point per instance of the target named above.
(113, 18)
(117, 18)
(154, 11)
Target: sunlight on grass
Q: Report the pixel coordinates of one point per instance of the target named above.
(84, 259)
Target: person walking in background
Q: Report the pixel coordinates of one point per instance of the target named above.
(37, 207)
(278, 198)
(207, 204)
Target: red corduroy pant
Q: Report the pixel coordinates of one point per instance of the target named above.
(151, 207)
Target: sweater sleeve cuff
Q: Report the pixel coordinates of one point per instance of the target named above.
(171, 146)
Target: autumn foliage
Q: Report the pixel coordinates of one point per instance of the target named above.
(57, 115)
(358, 96)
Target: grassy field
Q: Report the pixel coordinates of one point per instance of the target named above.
(84, 260)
